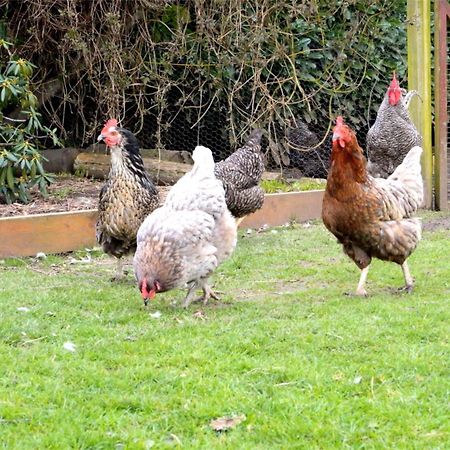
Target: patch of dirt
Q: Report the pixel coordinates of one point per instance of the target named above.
(67, 193)
(437, 223)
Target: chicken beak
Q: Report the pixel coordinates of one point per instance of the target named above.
(100, 137)
(337, 137)
(145, 301)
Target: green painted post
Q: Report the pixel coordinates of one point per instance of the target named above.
(419, 78)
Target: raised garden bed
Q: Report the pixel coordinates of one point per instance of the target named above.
(65, 221)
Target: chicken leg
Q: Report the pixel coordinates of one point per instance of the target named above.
(119, 271)
(360, 290)
(191, 291)
(409, 283)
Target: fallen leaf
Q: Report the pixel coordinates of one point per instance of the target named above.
(357, 379)
(23, 309)
(69, 346)
(156, 315)
(173, 439)
(338, 376)
(225, 423)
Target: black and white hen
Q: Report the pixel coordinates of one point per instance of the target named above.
(128, 196)
(240, 174)
(393, 134)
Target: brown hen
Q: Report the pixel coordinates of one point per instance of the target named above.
(371, 217)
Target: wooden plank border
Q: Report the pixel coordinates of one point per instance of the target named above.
(282, 208)
(68, 231)
(48, 233)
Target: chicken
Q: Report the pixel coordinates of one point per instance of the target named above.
(185, 240)
(372, 217)
(240, 174)
(393, 134)
(307, 152)
(127, 197)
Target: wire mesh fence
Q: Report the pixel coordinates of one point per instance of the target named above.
(182, 73)
(297, 150)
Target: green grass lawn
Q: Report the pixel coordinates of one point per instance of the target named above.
(308, 366)
(304, 184)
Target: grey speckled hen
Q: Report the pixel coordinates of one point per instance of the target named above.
(393, 134)
(183, 242)
(241, 173)
(128, 196)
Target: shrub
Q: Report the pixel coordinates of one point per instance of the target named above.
(211, 70)
(20, 160)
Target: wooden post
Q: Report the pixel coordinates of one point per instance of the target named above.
(419, 79)
(441, 11)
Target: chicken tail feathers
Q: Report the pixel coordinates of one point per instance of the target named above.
(409, 174)
(409, 96)
(203, 160)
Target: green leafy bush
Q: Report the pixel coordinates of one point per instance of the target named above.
(20, 160)
(221, 66)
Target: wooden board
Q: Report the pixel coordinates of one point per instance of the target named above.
(163, 173)
(279, 209)
(48, 233)
(63, 232)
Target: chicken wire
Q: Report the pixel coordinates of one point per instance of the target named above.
(298, 150)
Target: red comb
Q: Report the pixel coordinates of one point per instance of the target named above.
(110, 123)
(339, 121)
(394, 81)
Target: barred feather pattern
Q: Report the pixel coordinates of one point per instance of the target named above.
(390, 138)
(126, 199)
(240, 174)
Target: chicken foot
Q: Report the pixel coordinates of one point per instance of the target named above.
(360, 290)
(207, 293)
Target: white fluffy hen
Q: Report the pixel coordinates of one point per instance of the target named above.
(183, 242)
